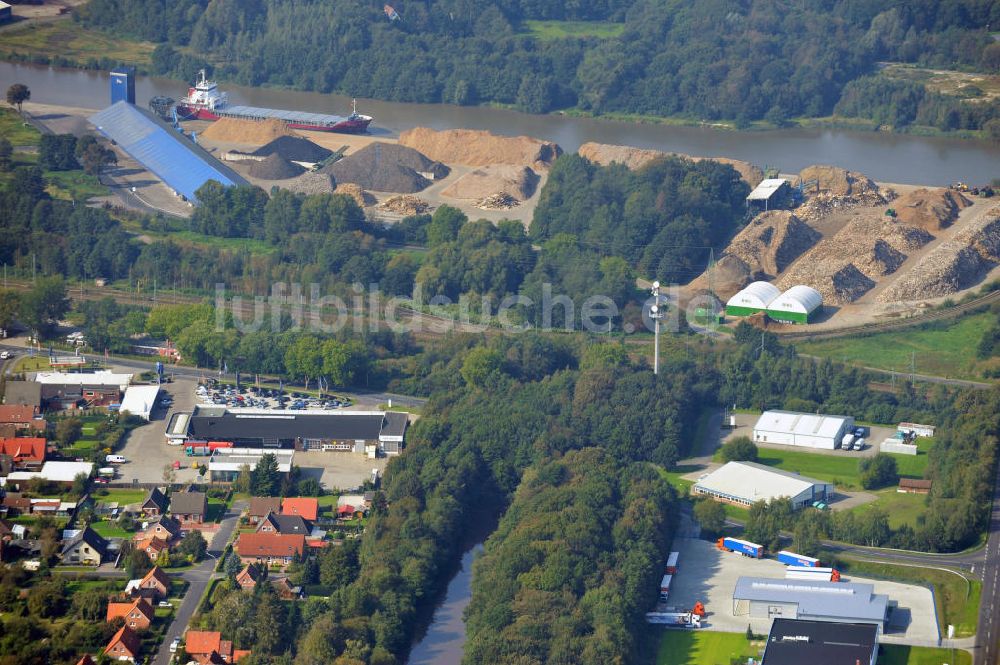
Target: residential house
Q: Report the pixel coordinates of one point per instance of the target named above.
(87, 547)
(154, 504)
(86, 660)
(164, 527)
(285, 589)
(261, 506)
(124, 645)
(15, 504)
(305, 507)
(914, 486)
(28, 453)
(249, 576)
(189, 507)
(27, 393)
(201, 644)
(270, 549)
(138, 614)
(22, 418)
(153, 547)
(155, 585)
(275, 523)
(61, 390)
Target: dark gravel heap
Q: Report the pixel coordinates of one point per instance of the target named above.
(387, 167)
(275, 168)
(295, 149)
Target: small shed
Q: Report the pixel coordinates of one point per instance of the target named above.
(770, 194)
(914, 486)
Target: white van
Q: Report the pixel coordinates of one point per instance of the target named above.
(115, 459)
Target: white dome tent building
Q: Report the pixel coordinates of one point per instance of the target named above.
(798, 304)
(755, 297)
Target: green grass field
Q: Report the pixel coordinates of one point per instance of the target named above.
(949, 351)
(123, 497)
(898, 654)
(74, 185)
(956, 599)
(549, 30)
(110, 530)
(15, 130)
(72, 41)
(901, 508)
(702, 647)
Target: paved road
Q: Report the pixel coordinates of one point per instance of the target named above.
(198, 579)
(987, 650)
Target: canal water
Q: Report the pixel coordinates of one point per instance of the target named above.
(886, 157)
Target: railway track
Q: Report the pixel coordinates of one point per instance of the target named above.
(935, 315)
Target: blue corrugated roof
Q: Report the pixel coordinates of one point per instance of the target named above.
(175, 160)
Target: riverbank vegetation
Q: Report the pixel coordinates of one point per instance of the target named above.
(739, 62)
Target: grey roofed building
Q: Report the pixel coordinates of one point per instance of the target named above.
(277, 523)
(189, 505)
(23, 392)
(86, 536)
(797, 641)
(155, 503)
(849, 602)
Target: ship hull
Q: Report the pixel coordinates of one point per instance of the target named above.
(345, 126)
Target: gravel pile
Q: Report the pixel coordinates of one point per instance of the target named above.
(294, 149)
(274, 167)
(387, 167)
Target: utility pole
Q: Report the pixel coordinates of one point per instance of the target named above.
(913, 365)
(656, 314)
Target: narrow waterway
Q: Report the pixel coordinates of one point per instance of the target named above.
(886, 157)
(442, 643)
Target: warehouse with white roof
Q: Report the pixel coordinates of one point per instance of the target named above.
(799, 304)
(844, 602)
(745, 483)
(140, 400)
(806, 430)
(753, 298)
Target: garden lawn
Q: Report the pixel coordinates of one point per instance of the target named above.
(110, 530)
(948, 350)
(123, 497)
(702, 647)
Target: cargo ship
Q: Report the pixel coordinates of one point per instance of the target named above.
(205, 102)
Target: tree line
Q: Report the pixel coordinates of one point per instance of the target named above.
(741, 61)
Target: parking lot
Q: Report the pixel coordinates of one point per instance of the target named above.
(249, 396)
(148, 453)
(709, 575)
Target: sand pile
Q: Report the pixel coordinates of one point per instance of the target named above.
(517, 181)
(772, 241)
(481, 148)
(253, 132)
(363, 198)
(294, 149)
(405, 205)
(731, 274)
(274, 168)
(635, 158)
(954, 265)
(931, 209)
(387, 167)
(846, 265)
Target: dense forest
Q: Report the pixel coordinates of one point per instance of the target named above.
(739, 60)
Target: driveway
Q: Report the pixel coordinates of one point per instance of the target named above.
(198, 579)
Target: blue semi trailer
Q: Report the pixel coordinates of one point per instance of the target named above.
(793, 559)
(744, 547)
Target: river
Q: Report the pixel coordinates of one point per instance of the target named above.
(442, 643)
(885, 157)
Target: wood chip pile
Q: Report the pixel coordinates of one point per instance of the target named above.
(954, 265)
(771, 242)
(516, 181)
(471, 147)
(405, 205)
(249, 132)
(839, 190)
(498, 201)
(636, 158)
(846, 265)
(363, 198)
(931, 209)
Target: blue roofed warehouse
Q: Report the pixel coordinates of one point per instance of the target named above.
(177, 161)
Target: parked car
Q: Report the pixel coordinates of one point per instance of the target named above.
(175, 644)
(164, 603)
(5, 355)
